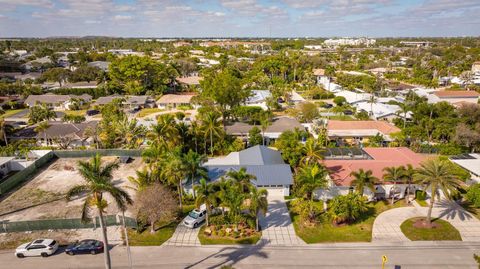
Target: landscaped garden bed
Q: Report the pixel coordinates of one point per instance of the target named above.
(416, 229)
(227, 235)
(324, 230)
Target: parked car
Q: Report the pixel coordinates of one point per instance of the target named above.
(39, 247)
(92, 112)
(88, 246)
(327, 105)
(195, 217)
(348, 112)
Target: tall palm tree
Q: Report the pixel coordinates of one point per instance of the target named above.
(408, 177)
(393, 174)
(437, 175)
(264, 123)
(42, 127)
(258, 203)
(363, 179)
(207, 195)
(241, 178)
(309, 178)
(312, 151)
(98, 181)
(404, 109)
(212, 127)
(233, 198)
(194, 169)
(174, 171)
(142, 180)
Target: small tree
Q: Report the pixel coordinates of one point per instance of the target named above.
(339, 100)
(155, 203)
(347, 208)
(254, 136)
(363, 179)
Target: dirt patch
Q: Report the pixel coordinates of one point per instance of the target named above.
(52, 183)
(423, 224)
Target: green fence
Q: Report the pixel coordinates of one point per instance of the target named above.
(25, 174)
(59, 224)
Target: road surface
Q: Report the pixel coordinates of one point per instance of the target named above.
(404, 256)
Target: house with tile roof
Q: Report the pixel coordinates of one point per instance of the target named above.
(359, 132)
(454, 97)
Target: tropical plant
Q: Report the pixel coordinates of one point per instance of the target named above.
(174, 170)
(347, 208)
(393, 174)
(258, 203)
(3, 131)
(241, 178)
(211, 127)
(312, 151)
(206, 194)
(193, 165)
(363, 179)
(42, 127)
(309, 178)
(408, 177)
(437, 175)
(254, 137)
(142, 180)
(164, 132)
(98, 181)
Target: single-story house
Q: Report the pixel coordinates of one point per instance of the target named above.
(132, 101)
(175, 100)
(56, 101)
(358, 132)
(273, 131)
(69, 135)
(102, 65)
(266, 164)
(454, 97)
(190, 80)
(259, 98)
(381, 111)
(78, 85)
(469, 162)
(353, 97)
(375, 159)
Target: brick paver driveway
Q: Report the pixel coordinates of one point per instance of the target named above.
(386, 227)
(184, 236)
(277, 227)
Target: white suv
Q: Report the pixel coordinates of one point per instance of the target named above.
(195, 217)
(39, 247)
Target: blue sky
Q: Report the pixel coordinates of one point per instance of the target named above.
(239, 18)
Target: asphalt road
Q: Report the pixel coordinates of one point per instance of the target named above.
(405, 256)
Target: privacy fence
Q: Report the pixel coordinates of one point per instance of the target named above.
(59, 224)
(31, 170)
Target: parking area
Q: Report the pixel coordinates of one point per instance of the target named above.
(184, 236)
(277, 226)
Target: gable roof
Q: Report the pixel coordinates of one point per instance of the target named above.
(279, 125)
(337, 127)
(54, 98)
(129, 100)
(176, 99)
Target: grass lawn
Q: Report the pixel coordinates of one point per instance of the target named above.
(341, 117)
(147, 111)
(360, 231)
(444, 231)
(422, 202)
(76, 112)
(9, 113)
(162, 234)
(217, 240)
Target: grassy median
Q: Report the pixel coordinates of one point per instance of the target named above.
(441, 230)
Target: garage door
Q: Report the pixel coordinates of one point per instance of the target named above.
(275, 191)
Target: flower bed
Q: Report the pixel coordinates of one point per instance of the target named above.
(227, 235)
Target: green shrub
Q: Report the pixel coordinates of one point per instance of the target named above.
(420, 195)
(473, 195)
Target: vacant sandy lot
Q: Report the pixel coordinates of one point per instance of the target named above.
(47, 189)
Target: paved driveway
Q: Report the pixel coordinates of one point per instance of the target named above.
(386, 227)
(184, 236)
(277, 227)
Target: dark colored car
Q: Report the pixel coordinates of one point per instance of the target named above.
(88, 246)
(348, 112)
(92, 112)
(327, 105)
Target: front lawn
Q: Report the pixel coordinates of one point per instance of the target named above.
(10, 112)
(422, 202)
(324, 231)
(163, 231)
(148, 111)
(75, 112)
(227, 240)
(442, 231)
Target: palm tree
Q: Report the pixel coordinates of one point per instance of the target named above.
(258, 203)
(393, 174)
(212, 127)
(193, 164)
(205, 195)
(309, 178)
(437, 175)
(42, 127)
(312, 151)
(143, 179)
(404, 109)
(165, 131)
(233, 198)
(241, 178)
(174, 171)
(264, 123)
(363, 179)
(408, 177)
(98, 181)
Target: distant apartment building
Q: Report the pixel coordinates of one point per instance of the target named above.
(350, 42)
(416, 43)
